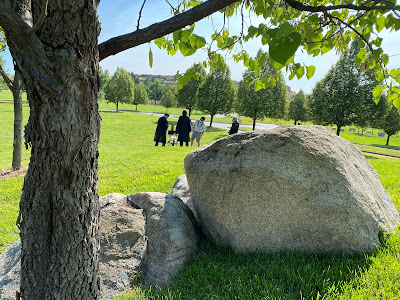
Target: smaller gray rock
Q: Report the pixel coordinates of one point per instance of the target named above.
(122, 249)
(122, 243)
(181, 190)
(10, 267)
(172, 236)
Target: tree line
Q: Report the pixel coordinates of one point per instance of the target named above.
(345, 96)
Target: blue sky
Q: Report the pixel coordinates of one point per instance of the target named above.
(121, 16)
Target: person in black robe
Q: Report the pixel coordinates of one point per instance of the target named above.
(183, 128)
(161, 130)
(235, 126)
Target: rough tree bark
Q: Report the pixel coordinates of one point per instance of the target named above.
(59, 208)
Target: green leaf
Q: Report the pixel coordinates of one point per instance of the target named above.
(176, 36)
(258, 85)
(150, 58)
(186, 49)
(394, 73)
(310, 71)
(396, 101)
(379, 76)
(380, 23)
(197, 41)
(300, 72)
(389, 22)
(281, 50)
(377, 93)
(186, 34)
(284, 30)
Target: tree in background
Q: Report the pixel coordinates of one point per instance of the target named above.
(217, 93)
(188, 94)
(120, 88)
(391, 123)
(168, 99)
(269, 101)
(297, 108)
(155, 90)
(14, 84)
(141, 96)
(60, 233)
(134, 77)
(104, 76)
(337, 98)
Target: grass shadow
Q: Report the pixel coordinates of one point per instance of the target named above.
(219, 273)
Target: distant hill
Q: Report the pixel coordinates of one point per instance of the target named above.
(164, 79)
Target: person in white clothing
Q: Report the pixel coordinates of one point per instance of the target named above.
(198, 130)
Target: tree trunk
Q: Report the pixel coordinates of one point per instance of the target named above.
(117, 105)
(295, 122)
(387, 140)
(212, 117)
(190, 111)
(59, 209)
(18, 118)
(338, 130)
(254, 124)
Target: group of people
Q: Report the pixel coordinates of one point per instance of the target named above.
(183, 129)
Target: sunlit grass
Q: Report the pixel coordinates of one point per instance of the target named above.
(130, 163)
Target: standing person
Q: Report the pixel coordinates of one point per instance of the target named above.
(183, 128)
(161, 130)
(198, 130)
(235, 126)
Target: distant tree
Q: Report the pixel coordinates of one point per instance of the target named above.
(297, 108)
(391, 123)
(134, 77)
(149, 80)
(216, 95)
(269, 101)
(156, 90)
(168, 100)
(141, 96)
(379, 112)
(368, 112)
(336, 98)
(104, 76)
(120, 88)
(14, 84)
(187, 95)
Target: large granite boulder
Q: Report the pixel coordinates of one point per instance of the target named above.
(172, 236)
(292, 188)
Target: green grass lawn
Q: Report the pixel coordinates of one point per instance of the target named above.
(130, 163)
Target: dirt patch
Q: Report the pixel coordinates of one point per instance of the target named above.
(13, 173)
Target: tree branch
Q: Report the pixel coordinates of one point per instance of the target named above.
(43, 14)
(157, 30)
(6, 79)
(321, 8)
(140, 15)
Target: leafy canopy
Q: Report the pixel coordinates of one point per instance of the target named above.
(120, 88)
(288, 26)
